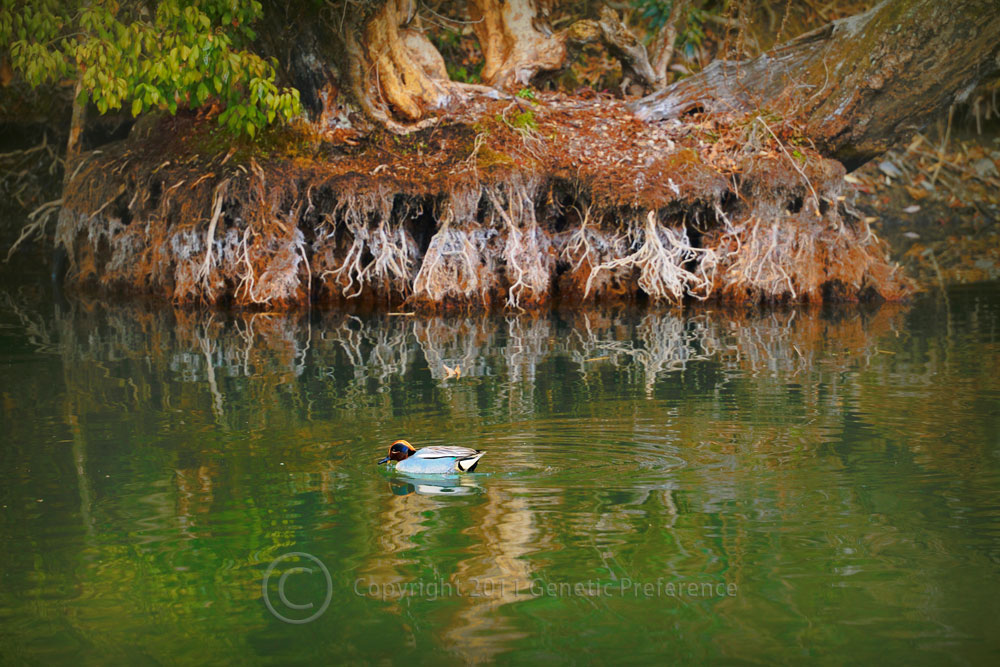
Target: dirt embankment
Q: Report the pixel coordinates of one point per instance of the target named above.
(507, 202)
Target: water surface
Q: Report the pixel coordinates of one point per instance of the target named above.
(707, 486)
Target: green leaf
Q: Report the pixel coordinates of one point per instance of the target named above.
(136, 107)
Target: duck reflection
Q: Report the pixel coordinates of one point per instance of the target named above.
(436, 485)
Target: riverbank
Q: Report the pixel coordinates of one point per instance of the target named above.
(937, 205)
(510, 203)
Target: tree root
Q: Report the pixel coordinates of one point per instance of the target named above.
(458, 265)
(381, 252)
(510, 222)
(772, 256)
(662, 255)
(37, 220)
(527, 249)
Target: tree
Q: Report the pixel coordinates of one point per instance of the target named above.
(515, 195)
(144, 56)
(859, 85)
(378, 53)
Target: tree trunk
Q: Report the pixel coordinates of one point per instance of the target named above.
(77, 121)
(387, 77)
(663, 44)
(381, 58)
(518, 44)
(859, 85)
(515, 40)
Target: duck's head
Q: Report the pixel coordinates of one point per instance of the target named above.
(398, 451)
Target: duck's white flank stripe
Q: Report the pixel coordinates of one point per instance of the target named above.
(441, 452)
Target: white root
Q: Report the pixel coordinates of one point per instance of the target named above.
(374, 229)
(456, 264)
(206, 267)
(529, 264)
(661, 258)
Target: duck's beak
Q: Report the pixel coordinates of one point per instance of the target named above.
(383, 460)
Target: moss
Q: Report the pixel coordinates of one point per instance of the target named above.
(487, 157)
(277, 141)
(411, 144)
(523, 121)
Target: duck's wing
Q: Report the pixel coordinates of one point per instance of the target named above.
(446, 452)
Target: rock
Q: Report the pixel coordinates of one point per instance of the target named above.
(889, 169)
(985, 167)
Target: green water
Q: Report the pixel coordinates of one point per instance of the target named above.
(714, 486)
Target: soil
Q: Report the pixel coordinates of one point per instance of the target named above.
(513, 202)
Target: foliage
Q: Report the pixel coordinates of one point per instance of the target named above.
(460, 56)
(690, 33)
(150, 55)
(527, 94)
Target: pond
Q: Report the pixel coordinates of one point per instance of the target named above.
(709, 485)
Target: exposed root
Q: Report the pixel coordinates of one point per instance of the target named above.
(588, 247)
(662, 255)
(774, 256)
(502, 216)
(527, 249)
(37, 220)
(381, 252)
(26, 174)
(279, 281)
(206, 267)
(458, 265)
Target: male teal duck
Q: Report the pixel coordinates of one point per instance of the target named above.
(437, 460)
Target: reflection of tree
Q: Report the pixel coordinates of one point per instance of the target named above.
(506, 531)
(281, 362)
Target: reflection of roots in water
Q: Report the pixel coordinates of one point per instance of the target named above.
(244, 371)
(454, 343)
(278, 352)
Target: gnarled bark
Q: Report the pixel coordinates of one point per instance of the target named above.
(858, 85)
(389, 78)
(515, 40)
(518, 44)
(381, 58)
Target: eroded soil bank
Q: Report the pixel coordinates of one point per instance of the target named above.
(515, 202)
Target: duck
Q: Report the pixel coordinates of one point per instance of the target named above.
(436, 460)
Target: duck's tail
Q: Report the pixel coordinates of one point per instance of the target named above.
(469, 463)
